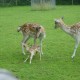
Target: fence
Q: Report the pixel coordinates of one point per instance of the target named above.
(14, 2)
(42, 4)
(28, 2)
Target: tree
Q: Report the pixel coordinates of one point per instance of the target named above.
(16, 2)
(72, 2)
(3, 2)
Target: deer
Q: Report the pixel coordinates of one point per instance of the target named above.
(32, 51)
(32, 30)
(72, 30)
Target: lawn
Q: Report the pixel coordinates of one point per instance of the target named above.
(56, 63)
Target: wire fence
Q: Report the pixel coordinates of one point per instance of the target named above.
(28, 2)
(14, 2)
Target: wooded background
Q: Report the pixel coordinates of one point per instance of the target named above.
(28, 2)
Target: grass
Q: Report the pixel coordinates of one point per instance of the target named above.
(56, 63)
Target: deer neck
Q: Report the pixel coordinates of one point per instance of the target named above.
(65, 28)
(27, 48)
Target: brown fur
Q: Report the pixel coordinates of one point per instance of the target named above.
(34, 48)
(73, 31)
(74, 28)
(32, 51)
(31, 30)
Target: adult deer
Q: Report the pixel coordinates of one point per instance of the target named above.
(73, 31)
(29, 30)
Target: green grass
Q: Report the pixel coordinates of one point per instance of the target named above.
(56, 63)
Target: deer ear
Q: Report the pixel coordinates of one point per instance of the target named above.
(62, 18)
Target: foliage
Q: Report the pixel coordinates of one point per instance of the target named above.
(14, 2)
(56, 63)
(67, 2)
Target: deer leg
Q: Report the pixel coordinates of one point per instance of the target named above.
(75, 48)
(31, 57)
(41, 52)
(25, 39)
(26, 59)
(40, 55)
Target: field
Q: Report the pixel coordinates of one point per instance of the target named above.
(56, 63)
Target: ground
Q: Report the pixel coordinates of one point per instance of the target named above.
(56, 63)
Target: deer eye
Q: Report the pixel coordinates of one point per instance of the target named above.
(38, 28)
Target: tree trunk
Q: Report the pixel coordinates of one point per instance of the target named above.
(41, 2)
(72, 2)
(3, 2)
(16, 2)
